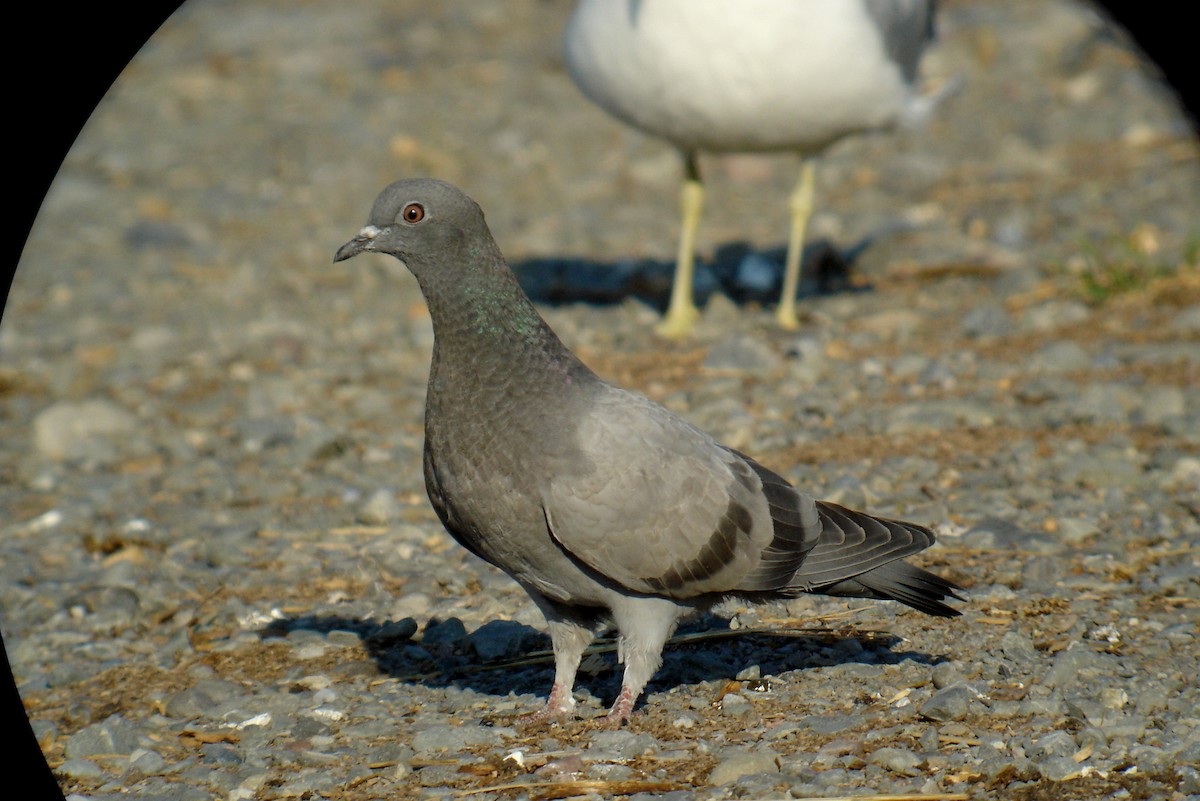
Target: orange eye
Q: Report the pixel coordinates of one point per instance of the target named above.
(413, 213)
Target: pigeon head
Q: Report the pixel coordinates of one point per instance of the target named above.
(441, 237)
(426, 224)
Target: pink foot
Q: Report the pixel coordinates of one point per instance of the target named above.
(559, 705)
(621, 709)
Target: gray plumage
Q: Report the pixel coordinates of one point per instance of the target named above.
(602, 504)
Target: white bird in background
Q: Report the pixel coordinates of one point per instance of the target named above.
(752, 75)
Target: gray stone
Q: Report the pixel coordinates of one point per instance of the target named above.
(945, 674)
(797, 767)
(744, 353)
(1114, 698)
(1185, 473)
(1012, 230)
(152, 233)
(989, 320)
(1005, 709)
(1186, 731)
(808, 361)
(147, 762)
(1054, 314)
(611, 771)
(782, 730)
(1073, 530)
(1088, 710)
(258, 434)
(1043, 573)
(1100, 403)
(1077, 666)
(1149, 757)
(111, 606)
(223, 753)
(950, 703)
(385, 753)
(622, 743)
(42, 729)
(317, 443)
(992, 533)
(1106, 467)
(148, 340)
(685, 720)
(828, 724)
(1189, 779)
(80, 769)
(1182, 633)
(939, 374)
(202, 699)
(1061, 356)
(438, 738)
(735, 705)
(450, 631)
(744, 763)
(84, 430)
(1055, 743)
(751, 673)
(939, 415)
(563, 768)
(897, 760)
(1161, 403)
(114, 735)
(674, 795)
(501, 639)
(992, 766)
(1018, 647)
(1187, 320)
(911, 364)
(1059, 768)
(1016, 281)
(1040, 389)
(379, 509)
(834, 777)
(1118, 725)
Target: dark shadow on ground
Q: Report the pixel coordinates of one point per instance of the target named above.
(495, 658)
(743, 274)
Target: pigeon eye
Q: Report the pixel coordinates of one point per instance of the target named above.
(413, 213)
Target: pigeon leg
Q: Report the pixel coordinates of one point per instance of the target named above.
(570, 636)
(800, 204)
(681, 312)
(645, 625)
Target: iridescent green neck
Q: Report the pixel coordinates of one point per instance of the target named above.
(485, 316)
(493, 309)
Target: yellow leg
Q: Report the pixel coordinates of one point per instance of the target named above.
(800, 205)
(681, 311)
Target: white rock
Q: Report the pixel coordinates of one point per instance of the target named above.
(68, 430)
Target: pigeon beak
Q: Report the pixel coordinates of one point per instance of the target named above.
(364, 241)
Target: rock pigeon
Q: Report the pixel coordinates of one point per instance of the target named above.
(755, 75)
(603, 505)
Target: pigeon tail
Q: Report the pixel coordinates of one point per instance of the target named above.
(900, 581)
(861, 556)
(851, 543)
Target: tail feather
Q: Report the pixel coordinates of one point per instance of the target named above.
(825, 548)
(900, 581)
(852, 543)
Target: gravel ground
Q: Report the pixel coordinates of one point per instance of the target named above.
(219, 574)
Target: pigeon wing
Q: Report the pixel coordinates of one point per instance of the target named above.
(656, 505)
